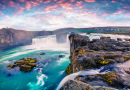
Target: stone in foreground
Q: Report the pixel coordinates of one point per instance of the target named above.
(78, 85)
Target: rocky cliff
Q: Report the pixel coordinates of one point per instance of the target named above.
(86, 54)
(10, 38)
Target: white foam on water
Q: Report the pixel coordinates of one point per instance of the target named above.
(16, 54)
(6, 61)
(61, 72)
(48, 43)
(62, 60)
(73, 76)
(113, 36)
(39, 83)
(40, 79)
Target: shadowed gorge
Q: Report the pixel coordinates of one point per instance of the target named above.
(10, 38)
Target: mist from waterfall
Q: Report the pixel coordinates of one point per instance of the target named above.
(49, 43)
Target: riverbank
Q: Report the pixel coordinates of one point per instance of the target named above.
(105, 53)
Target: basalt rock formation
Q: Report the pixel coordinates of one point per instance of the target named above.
(93, 54)
(78, 85)
(10, 38)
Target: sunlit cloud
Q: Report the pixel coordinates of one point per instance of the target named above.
(55, 14)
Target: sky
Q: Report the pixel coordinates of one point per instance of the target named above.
(54, 14)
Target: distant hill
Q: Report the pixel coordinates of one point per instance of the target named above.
(10, 37)
(96, 30)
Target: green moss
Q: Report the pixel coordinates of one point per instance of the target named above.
(68, 70)
(18, 63)
(25, 68)
(25, 64)
(89, 65)
(105, 37)
(112, 56)
(32, 65)
(12, 66)
(127, 58)
(33, 61)
(70, 57)
(28, 59)
(95, 48)
(109, 77)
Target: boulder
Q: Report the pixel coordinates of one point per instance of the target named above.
(42, 54)
(78, 85)
(12, 66)
(25, 68)
(61, 56)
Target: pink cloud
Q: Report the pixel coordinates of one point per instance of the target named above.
(107, 4)
(13, 4)
(127, 15)
(28, 5)
(105, 14)
(72, 0)
(51, 8)
(79, 3)
(118, 13)
(47, 1)
(7, 17)
(114, 1)
(90, 0)
(60, 1)
(33, 3)
(21, 9)
(22, 0)
(40, 1)
(3, 6)
(1, 13)
(66, 6)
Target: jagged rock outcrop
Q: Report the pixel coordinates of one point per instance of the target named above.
(86, 54)
(78, 85)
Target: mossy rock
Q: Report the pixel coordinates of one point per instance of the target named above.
(25, 68)
(33, 61)
(100, 63)
(112, 79)
(105, 37)
(25, 64)
(12, 66)
(19, 63)
(28, 59)
(32, 65)
(68, 70)
(127, 58)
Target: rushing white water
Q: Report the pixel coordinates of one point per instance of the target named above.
(48, 43)
(113, 36)
(73, 76)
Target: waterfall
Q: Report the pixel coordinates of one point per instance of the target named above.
(49, 43)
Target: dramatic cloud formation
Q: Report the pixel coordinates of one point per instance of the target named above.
(54, 14)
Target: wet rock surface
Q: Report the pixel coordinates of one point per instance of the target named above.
(104, 52)
(78, 85)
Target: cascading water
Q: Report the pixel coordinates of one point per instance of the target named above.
(49, 43)
(50, 69)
